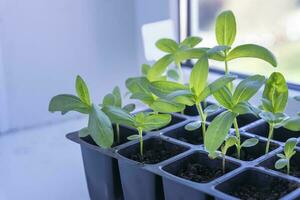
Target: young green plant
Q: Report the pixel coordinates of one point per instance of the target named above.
(274, 100)
(235, 104)
(175, 53)
(225, 31)
(115, 99)
(289, 152)
(195, 93)
(99, 125)
(142, 121)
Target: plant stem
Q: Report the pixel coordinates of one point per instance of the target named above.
(141, 141)
(202, 118)
(288, 167)
(270, 135)
(237, 133)
(118, 133)
(180, 72)
(223, 163)
(226, 64)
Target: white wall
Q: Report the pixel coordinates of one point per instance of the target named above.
(44, 44)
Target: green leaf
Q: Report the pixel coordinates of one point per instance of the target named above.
(199, 74)
(225, 28)
(186, 54)
(167, 45)
(164, 88)
(253, 51)
(191, 41)
(108, 100)
(82, 90)
(281, 163)
(84, 132)
(118, 115)
(250, 142)
(129, 107)
(230, 141)
(193, 126)
(145, 69)
(276, 91)
(280, 155)
(118, 99)
(292, 124)
(211, 109)
(182, 96)
(100, 128)
(273, 118)
(247, 88)
(166, 106)
(217, 50)
(139, 87)
(133, 137)
(215, 86)
(173, 74)
(223, 97)
(156, 121)
(242, 108)
(65, 103)
(218, 130)
(289, 146)
(159, 67)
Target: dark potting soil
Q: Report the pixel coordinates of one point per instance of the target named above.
(275, 190)
(191, 138)
(250, 154)
(199, 173)
(156, 153)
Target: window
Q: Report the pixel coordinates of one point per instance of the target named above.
(274, 24)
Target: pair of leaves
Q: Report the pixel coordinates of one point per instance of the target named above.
(225, 30)
(277, 119)
(275, 94)
(289, 152)
(245, 90)
(175, 53)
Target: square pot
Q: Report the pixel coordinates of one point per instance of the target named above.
(251, 153)
(101, 168)
(191, 137)
(195, 167)
(257, 184)
(137, 182)
(294, 162)
(280, 134)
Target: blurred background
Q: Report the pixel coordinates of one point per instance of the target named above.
(44, 44)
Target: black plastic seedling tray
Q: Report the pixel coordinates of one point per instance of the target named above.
(114, 174)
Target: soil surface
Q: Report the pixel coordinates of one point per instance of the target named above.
(156, 152)
(275, 190)
(192, 138)
(200, 173)
(252, 153)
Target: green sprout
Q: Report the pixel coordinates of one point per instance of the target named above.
(235, 104)
(99, 125)
(289, 152)
(142, 121)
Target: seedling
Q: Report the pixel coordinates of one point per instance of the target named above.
(274, 100)
(225, 30)
(176, 53)
(289, 152)
(229, 142)
(196, 92)
(99, 125)
(114, 99)
(142, 121)
(235, 104)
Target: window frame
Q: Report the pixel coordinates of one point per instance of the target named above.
(212, 69)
